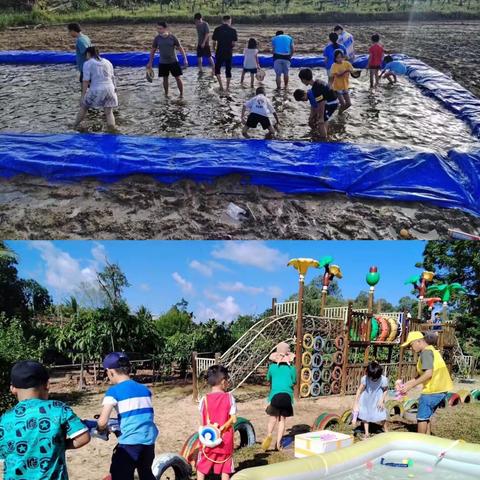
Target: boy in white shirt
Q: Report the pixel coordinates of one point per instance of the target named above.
(260, 109)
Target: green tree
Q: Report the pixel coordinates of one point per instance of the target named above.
(112, 282)
(177, 319)
(241, 325)
(409, 304)
(37, 298)
(459, 261)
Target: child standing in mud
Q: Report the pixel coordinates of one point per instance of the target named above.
(375, 60)
(250, 62)
(341, 70)
(260, 109)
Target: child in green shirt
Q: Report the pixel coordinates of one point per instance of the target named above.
(282, 377)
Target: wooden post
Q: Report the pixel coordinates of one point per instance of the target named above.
(218, 356)
(195, 376)
(82, 366)
(346, 348)
(299, 335)
(274, 306)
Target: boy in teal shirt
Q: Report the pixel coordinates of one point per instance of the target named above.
(35, 434)
(81, 44)
(282, 377)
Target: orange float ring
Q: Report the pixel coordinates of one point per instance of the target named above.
(384, 329)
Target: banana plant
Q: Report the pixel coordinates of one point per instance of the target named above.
(445, 291)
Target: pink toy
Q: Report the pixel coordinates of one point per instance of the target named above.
(429, 469)
(369, 465)
(398, 388)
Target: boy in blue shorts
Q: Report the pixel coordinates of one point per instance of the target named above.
(132, 402)
(323, 101)
(35, 434)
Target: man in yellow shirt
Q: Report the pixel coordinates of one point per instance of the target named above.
(433, 374)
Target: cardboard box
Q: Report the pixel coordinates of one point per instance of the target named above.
(323, 441)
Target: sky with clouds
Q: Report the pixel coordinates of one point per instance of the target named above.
(218, 279)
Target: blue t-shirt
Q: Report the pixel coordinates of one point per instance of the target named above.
(33, 437)
(282, 45)
(83, 42)
(133, 404)
(329, 54)
(396, 67)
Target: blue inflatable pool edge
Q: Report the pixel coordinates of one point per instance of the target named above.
(362, 171)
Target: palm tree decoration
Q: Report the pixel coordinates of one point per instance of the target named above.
(446, 291)
(420, 283)
(302, 265)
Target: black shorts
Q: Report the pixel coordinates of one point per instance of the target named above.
(128, 458)
(254, 119)
(164, 69)
(81, 77)
(280, 406)
(204, 52)
(220, 61)
(251, 70)
(329, 110)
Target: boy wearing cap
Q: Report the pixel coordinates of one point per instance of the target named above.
(35, 434)
(433, 374)
(132, 402)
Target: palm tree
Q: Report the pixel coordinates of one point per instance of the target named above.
(445, 291)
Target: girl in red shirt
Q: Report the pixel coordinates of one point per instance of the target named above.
(375, 60)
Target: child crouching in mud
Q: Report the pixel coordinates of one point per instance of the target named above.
(260, 109)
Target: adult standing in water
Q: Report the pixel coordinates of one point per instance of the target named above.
(224, 38)
(203, 43)
(282, 47)
(98, 87)
(82, 42)
(346, 39)
(167, 43)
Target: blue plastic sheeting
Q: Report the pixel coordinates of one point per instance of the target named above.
(376, 172)
(140, 59)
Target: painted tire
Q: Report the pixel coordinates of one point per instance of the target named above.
(315, 389)
(347, 417)
(304, 390)
(410, 405)
(316, 375)
(384, 329)
(326, 376)
(465, 396)
(181, 468)
(247, 433)
(374, 331)
(306, 375)
(327, 362)
(393, 329)
(338, 358)
(476, 395)
(308, 341)
(327, 346)
(443, 403)
(335, 387)
(317, 360)
(324, 421)
(307, 359)
(326, 389)
(318, 343)
(336, 373)
(394, 408)
(454, 400)
(190, 449)
(340, 342)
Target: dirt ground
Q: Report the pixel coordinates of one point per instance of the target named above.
(140, 207)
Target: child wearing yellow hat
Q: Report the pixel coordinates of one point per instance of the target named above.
(433, 374)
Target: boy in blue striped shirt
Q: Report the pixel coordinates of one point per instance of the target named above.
(133, 403)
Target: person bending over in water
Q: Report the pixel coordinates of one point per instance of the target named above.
(166, 43)
(260, 109)
(341, 71)
(323, 101)
(392, 68)
(98, 87)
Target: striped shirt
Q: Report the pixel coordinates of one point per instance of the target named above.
(133, 404)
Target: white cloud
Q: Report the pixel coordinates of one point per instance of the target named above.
(186, 286)
(252, 253)
(63, 272)
(274, 291)
(225, 310)
(213, 297)
(99, 253)
(202, 268)
(240, 287)
(145, 287)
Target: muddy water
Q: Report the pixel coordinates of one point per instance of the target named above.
(45, 99)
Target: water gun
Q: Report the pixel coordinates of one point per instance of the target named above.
(405, 464)
(398, 388)
(113, 427)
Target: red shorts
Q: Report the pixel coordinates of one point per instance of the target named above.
(215, 461)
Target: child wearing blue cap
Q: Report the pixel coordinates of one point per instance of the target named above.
(35, 434)
(132, 402)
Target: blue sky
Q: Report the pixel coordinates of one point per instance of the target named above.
(220, 279)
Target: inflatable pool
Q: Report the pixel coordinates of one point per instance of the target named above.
(385, 456)
(449, 179)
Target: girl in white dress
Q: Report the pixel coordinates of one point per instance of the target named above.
(251, 64)
(98, 87)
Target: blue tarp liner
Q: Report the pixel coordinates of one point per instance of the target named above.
(368, 171)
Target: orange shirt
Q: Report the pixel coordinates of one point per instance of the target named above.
(343, 82)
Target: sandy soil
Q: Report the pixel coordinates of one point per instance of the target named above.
(142, 208)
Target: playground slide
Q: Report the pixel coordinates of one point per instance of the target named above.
(403, 454)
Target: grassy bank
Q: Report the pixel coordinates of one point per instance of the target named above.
(245, 14)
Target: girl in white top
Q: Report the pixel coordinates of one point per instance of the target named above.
(98, 88)
(250, 61)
